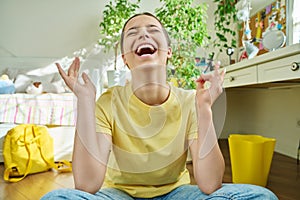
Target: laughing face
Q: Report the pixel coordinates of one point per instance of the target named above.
(144, 42)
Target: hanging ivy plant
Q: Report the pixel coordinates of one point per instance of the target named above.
(225, 15)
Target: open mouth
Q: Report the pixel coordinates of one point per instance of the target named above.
(145, 49)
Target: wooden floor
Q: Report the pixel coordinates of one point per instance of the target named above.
(284, 180)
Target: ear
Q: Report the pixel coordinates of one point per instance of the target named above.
(169, 53)
(124, 59)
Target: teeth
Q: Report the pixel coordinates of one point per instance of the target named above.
(145, 46)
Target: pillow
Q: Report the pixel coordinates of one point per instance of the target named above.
(56, 77)
(7, 87)
(59, 83)
(23, 81)
(54, 87)
(12, 73)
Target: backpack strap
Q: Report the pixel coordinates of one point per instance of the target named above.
(60, 166)
(12, 167)
(63, 166)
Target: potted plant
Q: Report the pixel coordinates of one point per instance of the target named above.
(115, 14)
(186, 25)
(225, 15)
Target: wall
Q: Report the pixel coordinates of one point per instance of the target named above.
(47, 28)
(268, 112)
(35, 33)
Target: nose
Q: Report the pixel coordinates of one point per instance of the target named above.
(143, 33)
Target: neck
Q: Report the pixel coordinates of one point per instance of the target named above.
(149, 84)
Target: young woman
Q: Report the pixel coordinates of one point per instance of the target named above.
(133, 143)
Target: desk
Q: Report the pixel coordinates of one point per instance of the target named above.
(277, 67)
(263, 97)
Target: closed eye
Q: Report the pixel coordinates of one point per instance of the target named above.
(131, 33)
(153, 28)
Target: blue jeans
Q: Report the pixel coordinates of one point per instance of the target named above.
(186, 192)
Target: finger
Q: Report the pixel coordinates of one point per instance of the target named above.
(205, 77)
(217, 64)
(77, 65)
(72, 68)
(217, 67)
(61, 71)
(222, 74)
(86, 78)
(88, 81)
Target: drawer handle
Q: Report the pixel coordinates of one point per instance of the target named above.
(295, 66)
(231, 78)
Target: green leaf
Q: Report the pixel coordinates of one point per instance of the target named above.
(225, 14)
(115, 14)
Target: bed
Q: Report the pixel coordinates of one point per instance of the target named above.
(44, 109)
(54, 108)
(56, 111)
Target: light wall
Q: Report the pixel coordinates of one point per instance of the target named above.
(48, 29)
(269, 112)
(36, 33)
(54, 29)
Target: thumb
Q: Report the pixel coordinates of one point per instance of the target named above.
(88, 82)
(86, 78)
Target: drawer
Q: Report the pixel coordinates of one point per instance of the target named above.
(246, 76)
(278, 70)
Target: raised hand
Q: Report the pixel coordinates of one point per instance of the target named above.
(210, 94)
(87, 89)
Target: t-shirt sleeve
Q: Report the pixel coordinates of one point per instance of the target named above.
(193, 124)
(103, 114)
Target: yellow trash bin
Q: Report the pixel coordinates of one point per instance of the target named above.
(251, 157)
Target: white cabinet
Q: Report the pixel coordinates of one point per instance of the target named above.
(280, 65)
(246, 76)
(279, 70)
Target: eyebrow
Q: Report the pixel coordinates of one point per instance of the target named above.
(132, 28)
(136, 27)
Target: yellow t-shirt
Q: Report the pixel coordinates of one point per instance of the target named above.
(149, 142)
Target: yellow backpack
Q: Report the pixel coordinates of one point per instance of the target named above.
(28, 149)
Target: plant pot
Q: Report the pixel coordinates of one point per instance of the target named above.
(116, 77)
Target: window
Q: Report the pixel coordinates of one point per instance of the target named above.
(296, 22)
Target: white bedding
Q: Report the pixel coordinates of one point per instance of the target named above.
(57, 111)
(42, 109)
(56, 108)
